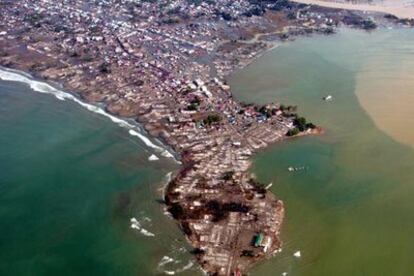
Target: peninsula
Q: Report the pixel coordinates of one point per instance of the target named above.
(164, 64)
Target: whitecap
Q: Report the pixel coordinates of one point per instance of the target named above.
(135, 224)
(147, 233)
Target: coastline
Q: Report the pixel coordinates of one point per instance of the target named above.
(8, 74)
(218, 205)
(399, 10)
(26, 78)
(134, 128)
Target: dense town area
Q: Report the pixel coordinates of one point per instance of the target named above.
(164, 64)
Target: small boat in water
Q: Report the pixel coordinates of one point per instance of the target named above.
(294, 169)
(327, 98)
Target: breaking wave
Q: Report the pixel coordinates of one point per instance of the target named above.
(135, 224)
(153, 157)
(168, 260)
(42, 87)
(165, 260)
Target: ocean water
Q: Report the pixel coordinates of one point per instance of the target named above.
(71, 184)
(351, 210)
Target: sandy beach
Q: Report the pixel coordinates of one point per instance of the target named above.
(400, 8)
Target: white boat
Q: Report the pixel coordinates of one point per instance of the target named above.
(297, 254)
(328, 98)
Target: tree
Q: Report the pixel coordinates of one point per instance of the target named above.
(293, 132)
(104, 68)
(176, 211)
(212, 119)
(228, 175)
(300, 123)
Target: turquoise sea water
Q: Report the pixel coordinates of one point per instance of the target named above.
(70, 181)
(351, 211)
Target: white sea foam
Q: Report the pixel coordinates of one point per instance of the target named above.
(163, 189)
(42, 87)
(153, 157)
(60, 97)
(165, 260)
(144, 139)
(146, 233)
(135, 224)
(186, 267)
(176, 265)
(168, 177)
(168, 154)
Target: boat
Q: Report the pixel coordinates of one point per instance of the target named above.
(328, 98)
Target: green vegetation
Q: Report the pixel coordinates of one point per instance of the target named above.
(228, 175)
(176, 211)
(293, 132)
(104, 68)
(259, 187)
(247, 253)
(171, 20)
(212, 119)
(221, 211)
(288, 111)
(194, 104)
(197, 251)
(265, 111)
(3, 53)
(192, 107)
(185, 226)
(34, 19)
(369, 24)
(300, 125)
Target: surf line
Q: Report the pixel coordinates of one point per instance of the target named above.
(7, 74)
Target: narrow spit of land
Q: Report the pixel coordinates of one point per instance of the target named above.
(163, 64)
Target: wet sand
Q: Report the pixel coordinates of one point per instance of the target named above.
(400, 8)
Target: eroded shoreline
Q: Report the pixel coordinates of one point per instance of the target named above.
(157, 72)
